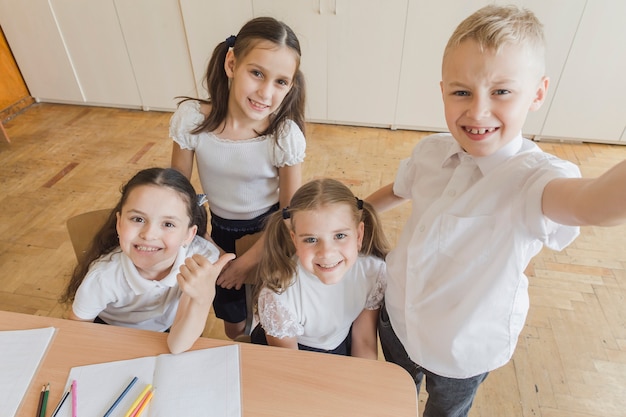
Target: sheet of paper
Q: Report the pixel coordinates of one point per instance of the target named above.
(197, 384)
(201, 383)
(21, 352)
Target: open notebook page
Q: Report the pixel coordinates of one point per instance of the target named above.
(204, 382)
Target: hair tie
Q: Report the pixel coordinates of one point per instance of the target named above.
(286, 214)
(230, 41)
(359, 203)
(202, 199)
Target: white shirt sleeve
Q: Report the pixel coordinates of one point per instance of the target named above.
(185, 119)
(291, 146)
(376, 295)
(277, 320)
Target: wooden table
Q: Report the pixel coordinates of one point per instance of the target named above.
(275, 381)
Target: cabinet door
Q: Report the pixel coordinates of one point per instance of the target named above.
(429, 26)
(96, 47)
(36, 43)
(364, 56)
(560, 20)
(208, 23)
(155, 39)
(589, 100)
(309, 21)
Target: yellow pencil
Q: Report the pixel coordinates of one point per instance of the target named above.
(144, 404)
(136, 402)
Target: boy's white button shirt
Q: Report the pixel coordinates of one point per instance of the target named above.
(457, 295)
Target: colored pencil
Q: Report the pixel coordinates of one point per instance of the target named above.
(138, 400)
(60, 404)
(115, 404)
(43, 389)
(143, 404)
(74, 398)
(44, 402)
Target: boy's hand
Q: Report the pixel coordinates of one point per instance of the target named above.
(197, 276)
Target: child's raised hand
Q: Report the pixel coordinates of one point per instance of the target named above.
(197, 276)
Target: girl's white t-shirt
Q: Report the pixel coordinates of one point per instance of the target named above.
(239, 177)
(320, 315)
(114, 290)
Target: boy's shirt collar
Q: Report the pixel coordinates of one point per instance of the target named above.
(486, 164)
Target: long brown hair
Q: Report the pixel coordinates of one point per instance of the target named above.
(277, 265)
(106, 240)
(253, 32)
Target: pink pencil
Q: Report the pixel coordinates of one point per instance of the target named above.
(74, 398)
(143, 404)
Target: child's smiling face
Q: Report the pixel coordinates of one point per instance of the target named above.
(152, 226)
(487, 94)
(327, 241)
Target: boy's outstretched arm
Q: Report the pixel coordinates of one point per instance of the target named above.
(197, 283)
(588, 201)
(384, 199)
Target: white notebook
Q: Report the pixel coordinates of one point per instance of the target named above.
(21, 353)
(201, 383)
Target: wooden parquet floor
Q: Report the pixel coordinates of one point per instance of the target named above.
(64, 160)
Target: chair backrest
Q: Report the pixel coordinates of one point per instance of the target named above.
(83, 227)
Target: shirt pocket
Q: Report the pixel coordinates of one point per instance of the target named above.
(467, 239)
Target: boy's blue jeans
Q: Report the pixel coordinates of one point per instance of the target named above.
(447, 397)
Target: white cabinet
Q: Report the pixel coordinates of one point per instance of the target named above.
(31, 31)
(351, 56)
(366, 62)
(589, 100)
(155, 39)
(430, 24)
(121, 53)
(94, 41)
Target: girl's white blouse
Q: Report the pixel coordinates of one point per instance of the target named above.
(239, 177)
(320, 315)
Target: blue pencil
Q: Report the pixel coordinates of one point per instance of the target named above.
(120, 397)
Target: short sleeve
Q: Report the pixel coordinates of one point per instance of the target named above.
(92, 296)
(291, 148)
(376, 295)
(554, 235)
(205, 248)
(277, 320)
(185, 119)
(402, 183)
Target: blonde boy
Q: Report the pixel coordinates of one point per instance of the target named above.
(485, 201)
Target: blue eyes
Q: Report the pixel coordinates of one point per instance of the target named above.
(499, 92)
(312, 240)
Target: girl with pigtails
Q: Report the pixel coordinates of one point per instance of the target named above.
(322, 273)
(247, 140)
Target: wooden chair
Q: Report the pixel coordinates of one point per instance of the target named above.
(83, 227)
(241, 246)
